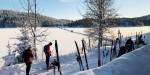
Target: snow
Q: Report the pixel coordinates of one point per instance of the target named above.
(68, 66)
(65, 38)
(133, 63)
(130, 31)
(67, 51)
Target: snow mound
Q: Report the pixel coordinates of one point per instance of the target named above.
(133, 63)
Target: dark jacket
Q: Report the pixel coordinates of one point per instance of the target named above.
(129, 45)
(47, 50)
(122, 51)
(28, 56)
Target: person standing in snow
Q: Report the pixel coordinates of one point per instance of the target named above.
(47, 52)
(129, 45)
(28, 57)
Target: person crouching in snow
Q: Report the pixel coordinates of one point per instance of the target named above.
(129, 45)
(47, 52)
(28, 57)
(55, 64)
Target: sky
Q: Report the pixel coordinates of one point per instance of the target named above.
(74, 9)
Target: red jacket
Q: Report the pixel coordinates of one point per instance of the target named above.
(28, 56)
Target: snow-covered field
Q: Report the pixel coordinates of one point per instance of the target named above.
(130, 31)
(133, 63)
(66, 49)
(65, 38)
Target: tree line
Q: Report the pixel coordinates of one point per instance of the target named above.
(11, 19)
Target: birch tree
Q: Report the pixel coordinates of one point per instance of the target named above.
(101, 13)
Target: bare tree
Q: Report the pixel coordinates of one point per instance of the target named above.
(101, 14)
(32, 34)
(33, 23)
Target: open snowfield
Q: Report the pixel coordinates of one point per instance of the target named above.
(130, 31)
(66, 49)
(65, 38)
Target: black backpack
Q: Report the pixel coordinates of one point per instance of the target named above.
(45, 49)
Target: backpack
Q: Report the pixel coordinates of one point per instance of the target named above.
(45, 49)
(23, 54)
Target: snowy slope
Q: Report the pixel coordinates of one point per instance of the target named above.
(133, 63)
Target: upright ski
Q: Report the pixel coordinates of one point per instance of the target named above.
(79, 57)
(111, 51)
(57, 54)
(83, 44)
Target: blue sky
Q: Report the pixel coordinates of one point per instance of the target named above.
(132, 8)
(73, 9)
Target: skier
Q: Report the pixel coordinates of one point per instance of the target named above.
(47, 52)
(129, 45)
(28, 57)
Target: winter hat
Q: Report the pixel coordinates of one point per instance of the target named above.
(50, 43)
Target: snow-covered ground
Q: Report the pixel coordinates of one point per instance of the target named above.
(133, 63)
(68, 62)
(130, 31)
(67, 49)
(65, 38)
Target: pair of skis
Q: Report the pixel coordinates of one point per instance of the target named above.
(79, 56)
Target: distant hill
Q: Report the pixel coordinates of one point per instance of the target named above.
(9, 18)
(137, 21)
(121, 22)
(87, 22)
